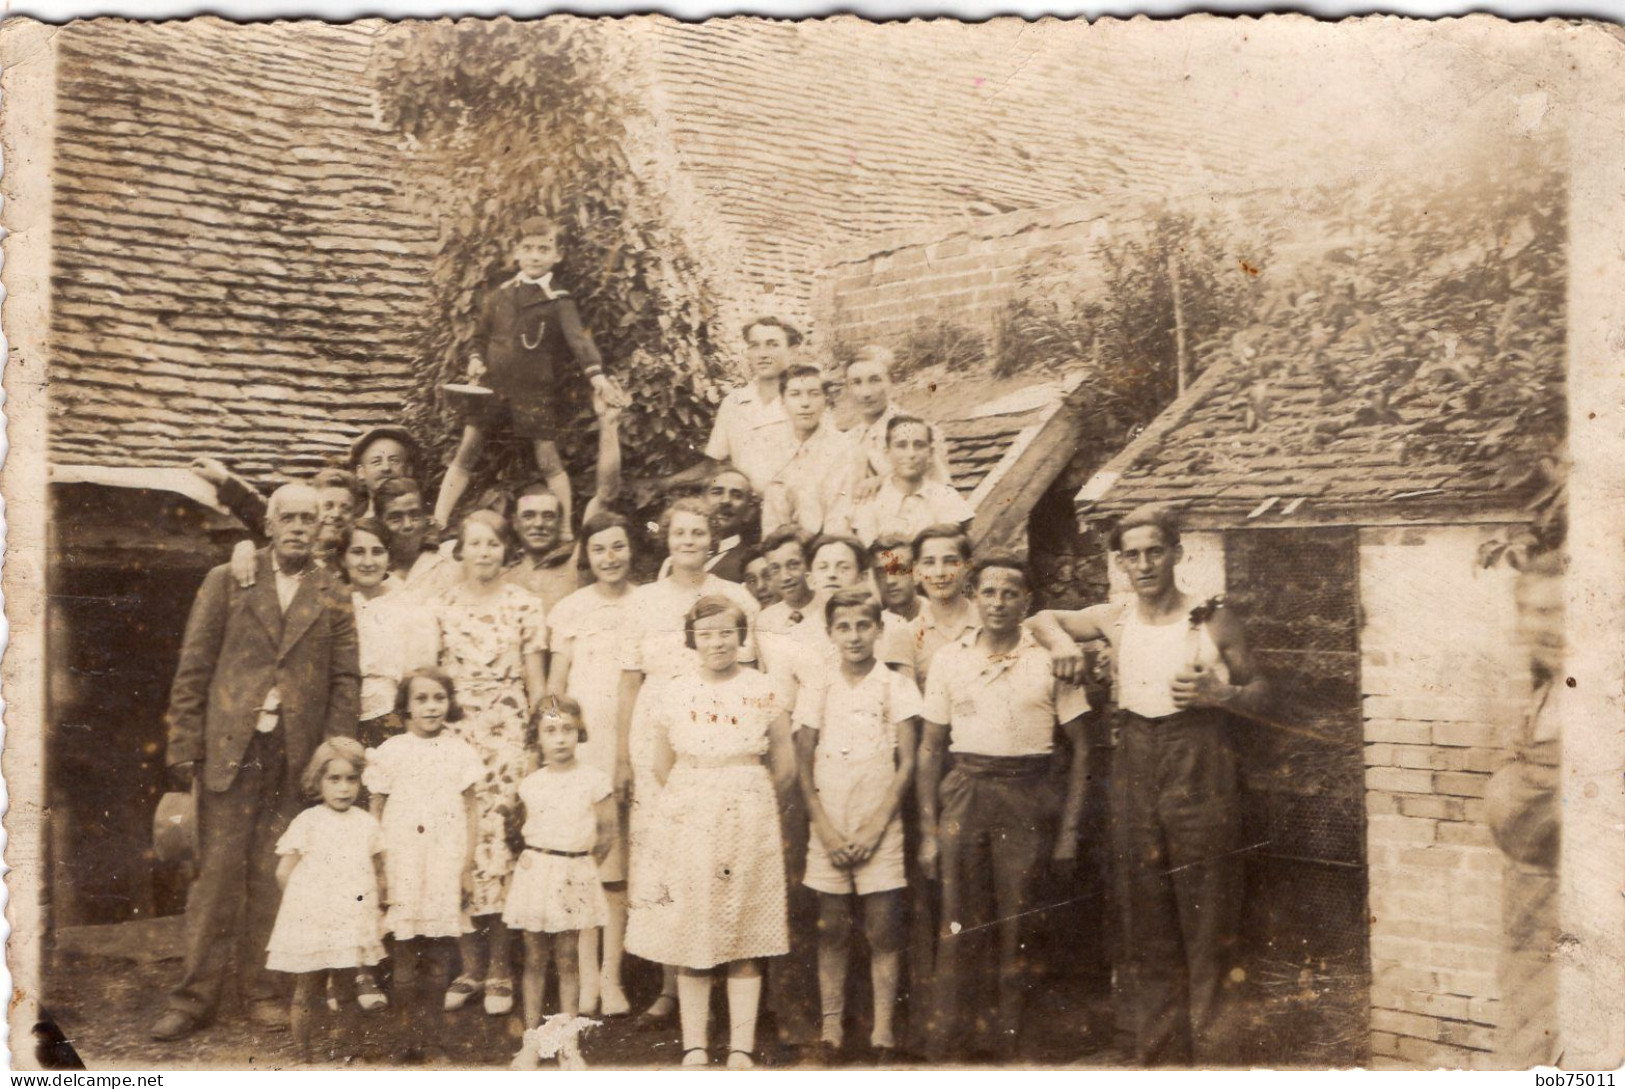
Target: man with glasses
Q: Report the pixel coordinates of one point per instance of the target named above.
(1179, 667)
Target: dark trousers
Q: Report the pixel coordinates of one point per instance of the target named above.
(1175, 842)
(233, 902)
(792, 980)
(996, 826)
(921, 962)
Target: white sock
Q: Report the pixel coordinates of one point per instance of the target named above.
(744, 1000)
(694, 1008)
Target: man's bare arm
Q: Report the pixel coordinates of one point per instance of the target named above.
(1247, 692)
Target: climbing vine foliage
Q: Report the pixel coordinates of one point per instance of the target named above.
(502, 120)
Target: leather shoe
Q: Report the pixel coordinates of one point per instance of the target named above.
(268, 1014)
(173, 1025)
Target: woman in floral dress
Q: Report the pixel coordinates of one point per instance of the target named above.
(491, 636)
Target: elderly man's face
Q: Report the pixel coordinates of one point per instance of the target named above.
(382, 459)
(292, 526)
(539, 520)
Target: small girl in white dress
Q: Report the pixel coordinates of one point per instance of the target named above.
(329, 875)
(422, 785)
(568, 824)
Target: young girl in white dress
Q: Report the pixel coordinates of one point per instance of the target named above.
(422, 785)
(718, 885)
(567, 811)
(328, 870)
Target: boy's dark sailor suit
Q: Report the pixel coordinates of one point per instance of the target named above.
(531, 340)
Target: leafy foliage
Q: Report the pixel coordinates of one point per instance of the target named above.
(508, 119)
(1126, 337)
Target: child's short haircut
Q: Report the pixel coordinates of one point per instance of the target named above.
(801, 370)
(341, 478)
(714, 605)
(558, 705)
(403, 691)
(347, 749)
(859, 553)
(538, 225)
(943, 531)
(904, 421)
(786, 534)
(853, 597)
(792, 335)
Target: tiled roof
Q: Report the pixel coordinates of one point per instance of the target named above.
(800, 136)
(235, 273)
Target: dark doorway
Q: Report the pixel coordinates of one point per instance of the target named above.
(123, 568)
(1307, 932)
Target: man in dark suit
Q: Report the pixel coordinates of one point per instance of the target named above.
(266, 673)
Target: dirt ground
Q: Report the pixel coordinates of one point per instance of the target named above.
(104, 985)
(103, 1005)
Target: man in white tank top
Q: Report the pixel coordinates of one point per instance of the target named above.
(1180, 665)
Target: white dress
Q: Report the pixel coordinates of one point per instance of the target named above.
(425, 831)
(555, 885)
(589, 624)
(717, 885)
(329, 916)
(652, 642)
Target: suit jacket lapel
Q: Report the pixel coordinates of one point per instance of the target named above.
(302, 611)
(262, 600)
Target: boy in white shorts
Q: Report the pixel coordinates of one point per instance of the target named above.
(855, 743)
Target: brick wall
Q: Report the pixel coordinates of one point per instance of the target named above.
(1443, 682)
(879, 290)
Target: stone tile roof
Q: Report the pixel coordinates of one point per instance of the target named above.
(1417, 374)
(235, 271)
(800, 136)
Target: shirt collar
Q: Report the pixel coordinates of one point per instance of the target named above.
(544, 281)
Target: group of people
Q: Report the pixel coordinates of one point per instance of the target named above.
(825, 708)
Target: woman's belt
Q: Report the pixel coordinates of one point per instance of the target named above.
(559, 854)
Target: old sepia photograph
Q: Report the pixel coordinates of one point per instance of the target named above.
(815, 544)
